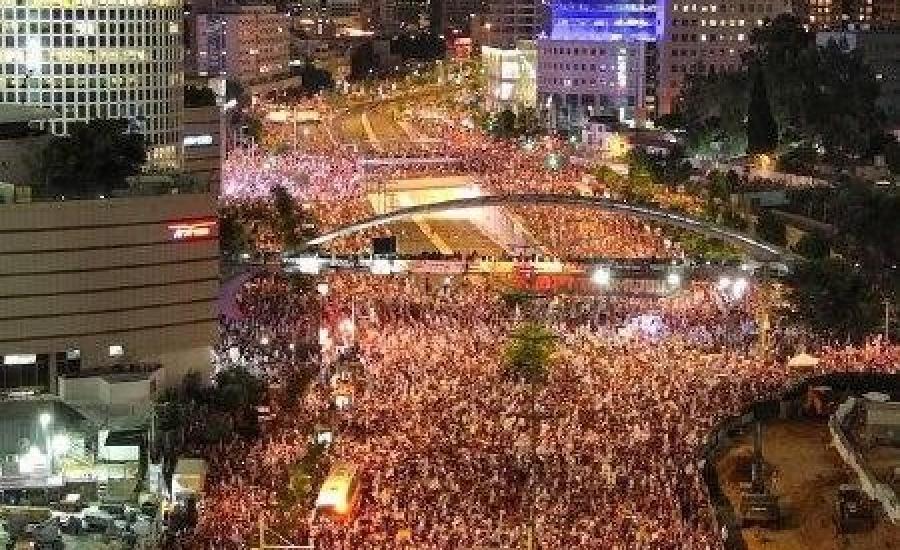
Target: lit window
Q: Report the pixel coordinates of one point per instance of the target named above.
(116, 350)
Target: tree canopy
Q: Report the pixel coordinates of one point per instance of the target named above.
(199, 97)
(528, 353)
(819, 95)
(762, 134)
(94, 159)
(363, 61)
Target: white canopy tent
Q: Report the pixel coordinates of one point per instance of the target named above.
(803, 360)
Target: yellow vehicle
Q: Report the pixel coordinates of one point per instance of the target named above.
(340, 491)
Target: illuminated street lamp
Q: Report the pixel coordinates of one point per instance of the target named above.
(322, 289)
(732, 289)
(673, 279)
(602, 276)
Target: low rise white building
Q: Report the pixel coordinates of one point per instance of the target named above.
(578, 79)
(510, 76)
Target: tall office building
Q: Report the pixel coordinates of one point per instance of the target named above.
(599, 60)
(699, 38)
(835, 14)
(89, 59)
(508, 21)
(401, 16)
(246, 43)
(456, 15)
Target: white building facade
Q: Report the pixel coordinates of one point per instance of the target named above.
(510, 76)
(88, 59)
(578, 79)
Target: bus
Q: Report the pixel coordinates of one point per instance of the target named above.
(340, 491)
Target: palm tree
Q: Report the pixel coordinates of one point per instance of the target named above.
(528, 354)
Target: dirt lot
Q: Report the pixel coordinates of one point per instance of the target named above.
(808, 473)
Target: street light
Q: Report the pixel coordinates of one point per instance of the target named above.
(45, 419)
(322, 289)
(733, 289)
(601, 276)
(673, 279)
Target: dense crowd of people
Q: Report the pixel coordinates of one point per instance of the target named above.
(449, 452)
(440, 437)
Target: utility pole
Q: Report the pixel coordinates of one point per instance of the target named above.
(887, 320)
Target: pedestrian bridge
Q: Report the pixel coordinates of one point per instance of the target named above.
(755, 248)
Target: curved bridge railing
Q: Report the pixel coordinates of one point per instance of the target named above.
(758, 249)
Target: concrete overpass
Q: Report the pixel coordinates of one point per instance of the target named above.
(755, 248)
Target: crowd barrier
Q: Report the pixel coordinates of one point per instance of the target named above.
(788, 404)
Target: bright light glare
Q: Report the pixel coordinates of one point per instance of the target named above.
(739, 288)
(347, 326)
(45, 419)
(31, 460)
(601, 276)
(674, 279)
(60, 444)
(322, 289)
(724, 283)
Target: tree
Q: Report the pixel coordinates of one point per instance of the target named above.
(363, 61)
(233, 238)
(505, 124)
(762, 134)
(813, 246)
(527, 357)
(314, 79)
(834, 299)
(286, 222)
(712, 108)
(234, 90)
(94, 159)
(770, 228)
(199, 97)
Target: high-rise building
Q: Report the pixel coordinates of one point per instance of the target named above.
(456, 15)
(699, 38)
(835, 14)
(401, 16)
(89, 59)
(249, 44)
(508, 21)
(599, 60)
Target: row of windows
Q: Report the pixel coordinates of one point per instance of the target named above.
(160, 110)
(580, 81)
(724, 8)
(588, 101)
(149, 69)
(712, 22)
(149, 14)
(694, 53)
(20, 41)
(740, 37)
(88, 28)
(583, 67)
(593, 52)
(703, 67)
(93, 97)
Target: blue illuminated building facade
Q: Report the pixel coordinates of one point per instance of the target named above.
(599, 60)
(605, 20)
